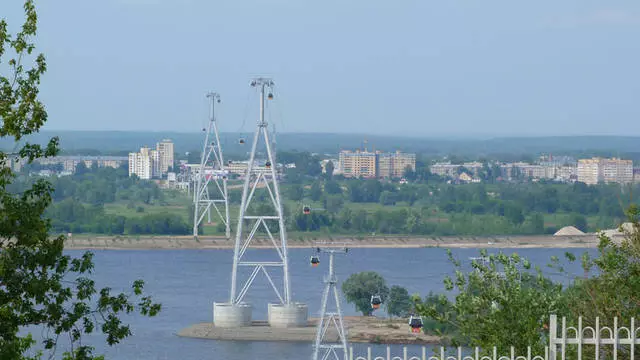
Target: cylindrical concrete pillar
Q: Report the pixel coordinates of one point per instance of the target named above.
(231, 315)
(284, 316)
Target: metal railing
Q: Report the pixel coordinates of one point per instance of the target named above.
(565, 342)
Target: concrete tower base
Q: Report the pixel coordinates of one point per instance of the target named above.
(286, 316)
(227, 315)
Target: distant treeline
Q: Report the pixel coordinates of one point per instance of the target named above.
(79, 203)
(121, 142)
(356, 206)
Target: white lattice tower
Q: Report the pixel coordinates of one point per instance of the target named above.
(324, 349)
(211, 171)
(264, 178)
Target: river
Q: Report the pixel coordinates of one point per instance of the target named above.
(186, 282)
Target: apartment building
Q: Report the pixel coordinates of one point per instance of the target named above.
(152, 163)
(141, 163)
(595, 170)
(451, 170)
(69, 163)
(358, 163)
(375, 164)
(402, 162)
(164, 156)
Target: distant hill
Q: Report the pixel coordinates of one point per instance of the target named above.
(125, 141)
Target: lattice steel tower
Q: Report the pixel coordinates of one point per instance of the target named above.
(266, 219)
(211, 170)
(323, 348)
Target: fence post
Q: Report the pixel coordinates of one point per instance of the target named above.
(580, 337)
(615, 338)
(632, 333)
(597, 354)
(553, 332)
(563, 333)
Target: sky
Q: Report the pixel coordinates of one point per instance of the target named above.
(405, 67)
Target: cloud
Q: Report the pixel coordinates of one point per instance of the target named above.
(598, 17)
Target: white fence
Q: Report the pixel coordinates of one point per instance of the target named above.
(602, 343)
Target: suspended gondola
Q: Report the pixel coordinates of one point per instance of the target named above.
(376, 300)
(315, 261)
(415, 322)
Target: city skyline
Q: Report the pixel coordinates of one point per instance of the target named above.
(420, 68)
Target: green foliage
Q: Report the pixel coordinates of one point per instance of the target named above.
(579, 221)
(315, 193)
(399, 302)
(612, 279)
(505, 302)
(359, 288)
(502, 302)
(295, 192)
(79, 201)
(41, 287)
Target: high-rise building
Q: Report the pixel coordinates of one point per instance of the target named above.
(152, 163)
(595, 170)
(141, 163)
(165, 155)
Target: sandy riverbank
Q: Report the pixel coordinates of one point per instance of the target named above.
(212, 242)
(359, 329)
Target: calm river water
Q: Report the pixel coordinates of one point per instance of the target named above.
(186, 282)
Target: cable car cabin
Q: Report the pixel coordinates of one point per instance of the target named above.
(306, 210)
(270, 96)
(376, 300)
(315, 261)
(241, 141)
(415, 322)
(267, 165)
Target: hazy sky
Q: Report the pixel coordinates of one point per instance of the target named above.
(418, 67)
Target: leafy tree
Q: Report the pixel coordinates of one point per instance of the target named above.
(329, 168)
(388, 198)
(399, 302)
(502, 302)
(315, 193)
(332, 187)
(612, 282)
(81, 169)
(41, 287)
(359, 288)
(579, 221)
(295, 192)
(333, 203)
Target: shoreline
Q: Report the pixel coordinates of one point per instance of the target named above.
(80, 242)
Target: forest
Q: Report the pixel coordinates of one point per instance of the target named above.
(81, 200)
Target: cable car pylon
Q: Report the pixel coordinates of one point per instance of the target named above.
(211, 170)
(267, 222)
(325, 349)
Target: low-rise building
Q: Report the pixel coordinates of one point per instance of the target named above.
(69, 163)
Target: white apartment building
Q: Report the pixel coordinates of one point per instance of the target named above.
(152, 163)
(141, 164)
(451, 170)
